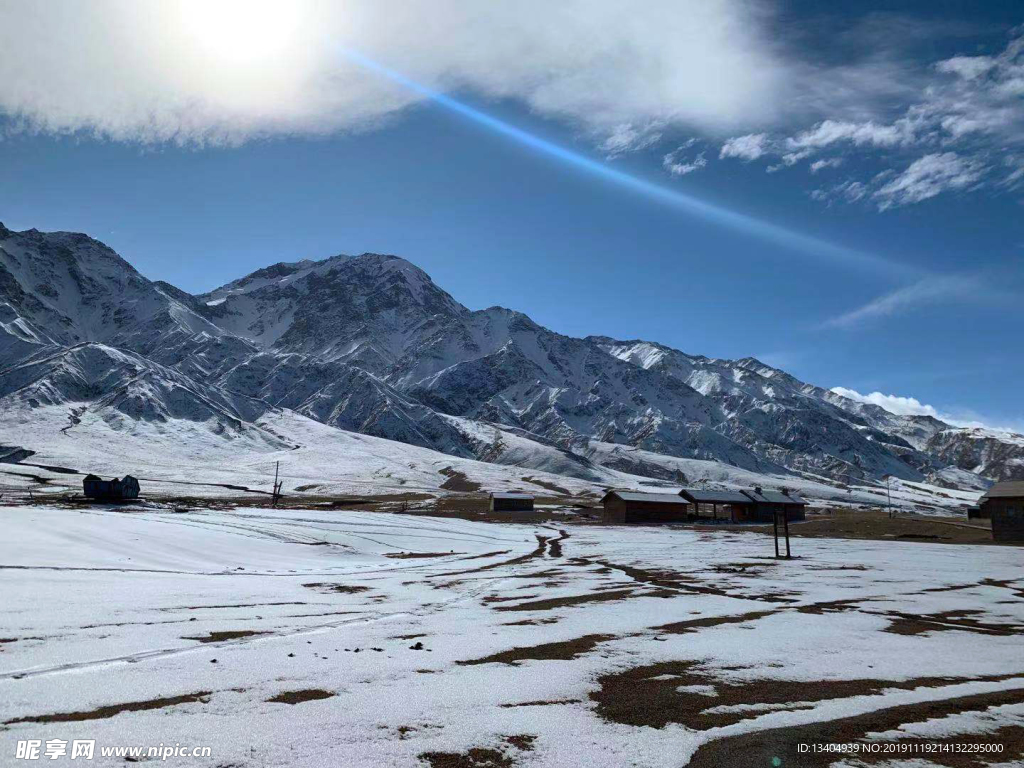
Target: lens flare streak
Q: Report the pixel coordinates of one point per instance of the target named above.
(806, 244)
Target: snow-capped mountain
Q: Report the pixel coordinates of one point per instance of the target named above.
(370, 344)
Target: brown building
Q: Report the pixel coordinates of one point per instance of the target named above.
(729, 506)
(633, 507)
(768, 503)
(1004, 504)
(511, 502)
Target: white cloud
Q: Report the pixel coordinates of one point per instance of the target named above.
(675, 164)
(832, 162)
(951, 126)
(967, 67)
(627, 137)
(226, 71)
(911, 406)
(749, 147)
(850, 191)
(927, 177)
(929, 290)
(829, 132)
(901, 406)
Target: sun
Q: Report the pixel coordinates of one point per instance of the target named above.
(241, 32)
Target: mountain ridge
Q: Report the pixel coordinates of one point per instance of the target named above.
(371, 344)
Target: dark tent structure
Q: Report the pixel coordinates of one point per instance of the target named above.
(111, 490)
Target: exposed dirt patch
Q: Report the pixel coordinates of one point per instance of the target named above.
(487, 554)
(563, 602)
(542, 545)
(343, 589)
(762, 747)
(831, 606)
(1010, 584)
(910, 624)
(297, 697)
(102, 713)
(417, 555)
(549, 703)
(408, 637)
(693, 625)
(683, 692)
(216, 637)
(744, 569)
(522, 741)
(457, 481)
(477, 757)
(560, 651)
(493, 599)
(681, 582)
(532, 622)
(236, 605)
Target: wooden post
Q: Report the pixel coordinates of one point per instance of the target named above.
(775, 526)
(277, 486)
(785, 524)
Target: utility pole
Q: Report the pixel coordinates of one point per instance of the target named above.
(888, 494)
(277, 485)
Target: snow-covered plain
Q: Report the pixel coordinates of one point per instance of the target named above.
(193, 458)
(534, 639)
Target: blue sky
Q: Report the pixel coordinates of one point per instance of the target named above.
(894, 140)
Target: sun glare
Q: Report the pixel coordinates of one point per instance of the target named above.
(234, 32)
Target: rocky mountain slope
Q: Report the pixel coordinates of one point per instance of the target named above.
(370, 344)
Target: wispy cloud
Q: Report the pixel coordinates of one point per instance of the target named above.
(676, 162)
(928, 291)
(911, 406)
(960, 127)
(929, 176)
(749, 147)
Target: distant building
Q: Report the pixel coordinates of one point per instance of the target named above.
(1004, 504)
(511, 502)
(111, 490)
(632, 507)
(766, 504)
(730, 506)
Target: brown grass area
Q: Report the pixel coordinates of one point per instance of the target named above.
(762, 747)
(692, 625)
(216, 637)
(522, 741)
(910, 624)
(343, 589)
(550, 703)
(564, 650)
(297, 697)
(680, 582)
(648, 695)
(548, 604)
(417, 555)
(477, 757)
(102, 713)
(457, 481)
